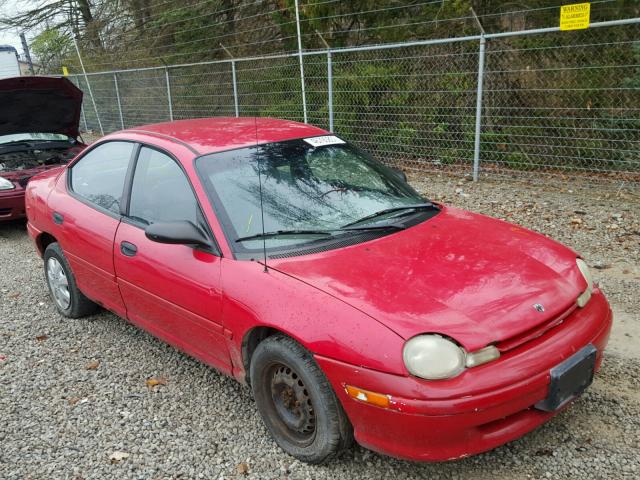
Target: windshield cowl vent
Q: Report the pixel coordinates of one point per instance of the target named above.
(332, 244)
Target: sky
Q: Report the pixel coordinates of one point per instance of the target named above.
(11, 37)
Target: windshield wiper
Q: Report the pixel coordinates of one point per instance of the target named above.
(390, 210)
(283, 233)
(34, 141)
(15, 143)
(328, 232)
(347, 228)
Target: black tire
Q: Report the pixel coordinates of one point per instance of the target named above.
(296, 401)
(78, 305)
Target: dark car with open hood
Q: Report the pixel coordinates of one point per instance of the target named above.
(39, 122)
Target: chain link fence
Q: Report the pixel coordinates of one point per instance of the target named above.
(535, 103)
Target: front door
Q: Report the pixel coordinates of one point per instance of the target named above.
(85, 206)
(173, 291)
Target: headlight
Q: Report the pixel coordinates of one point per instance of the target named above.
(586, 295)
(6, 184)
(433, 357)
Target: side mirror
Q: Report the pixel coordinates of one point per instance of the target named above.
(399, 173)
(178, 233)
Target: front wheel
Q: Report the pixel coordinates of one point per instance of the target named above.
(296, 401)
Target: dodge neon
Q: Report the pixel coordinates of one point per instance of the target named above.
(355, 308)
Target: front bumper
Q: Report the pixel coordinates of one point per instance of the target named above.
(12, 205)
(481, 409)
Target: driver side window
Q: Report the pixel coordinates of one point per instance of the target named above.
(161, 191)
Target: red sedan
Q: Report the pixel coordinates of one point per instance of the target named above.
(282, 255)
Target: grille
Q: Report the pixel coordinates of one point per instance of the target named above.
(535, 332)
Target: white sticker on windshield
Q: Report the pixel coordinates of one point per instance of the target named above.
(324, 140)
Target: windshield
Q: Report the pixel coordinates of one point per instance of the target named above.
(42, 137)
(304, 188)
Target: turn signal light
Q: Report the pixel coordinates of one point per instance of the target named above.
(484, 355)
(377, 399)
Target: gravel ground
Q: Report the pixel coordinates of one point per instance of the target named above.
(74, 392)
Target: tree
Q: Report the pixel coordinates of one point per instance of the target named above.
(50, 48)
(69, 16)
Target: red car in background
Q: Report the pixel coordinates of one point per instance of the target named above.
(39, 118)
(284, 256)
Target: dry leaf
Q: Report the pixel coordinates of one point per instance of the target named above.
(117, 456)
(93, 365)
(42, 338)
(154, 381)
(242, 468)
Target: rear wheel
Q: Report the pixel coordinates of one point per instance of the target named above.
(296, 401)
(68, 299)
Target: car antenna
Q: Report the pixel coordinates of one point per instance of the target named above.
(264, 238)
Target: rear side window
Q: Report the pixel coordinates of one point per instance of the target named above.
(99, 175)
(161, 191)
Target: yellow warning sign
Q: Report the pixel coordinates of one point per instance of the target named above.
(65, 71)
(575, 17)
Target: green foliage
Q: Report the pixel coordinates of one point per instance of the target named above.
(50, 48)
(563, 99)
(181, 35)
(633, 80)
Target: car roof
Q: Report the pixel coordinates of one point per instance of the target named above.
(209, 135)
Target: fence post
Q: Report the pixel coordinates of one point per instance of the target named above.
(84, 119)
(86, 79)
(115, 82)
(476, 148)
(300, 59)
(235, 87)
(330, 88)
(166, 76)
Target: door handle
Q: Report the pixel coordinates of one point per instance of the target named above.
(58, 218)
(128, 249)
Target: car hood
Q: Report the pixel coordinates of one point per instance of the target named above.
(464, 275)
(39, 105)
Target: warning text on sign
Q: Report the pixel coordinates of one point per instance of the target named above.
(575, 17)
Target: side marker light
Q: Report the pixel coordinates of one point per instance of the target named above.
(377, 399)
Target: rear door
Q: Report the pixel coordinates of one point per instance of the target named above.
(85, 207)
(172, 291)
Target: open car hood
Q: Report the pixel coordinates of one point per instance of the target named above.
(39, 105)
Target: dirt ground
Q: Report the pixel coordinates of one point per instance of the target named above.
(73, 392)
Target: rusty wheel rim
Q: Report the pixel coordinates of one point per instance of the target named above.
(292, 404)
